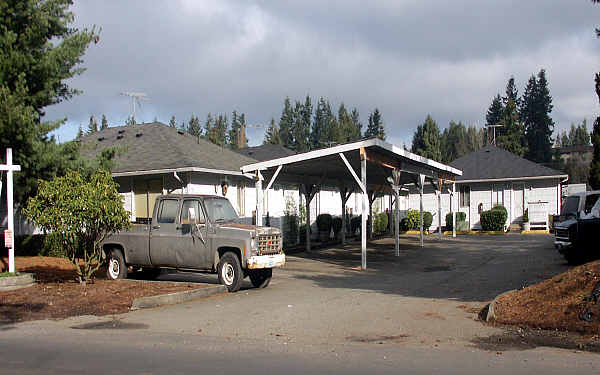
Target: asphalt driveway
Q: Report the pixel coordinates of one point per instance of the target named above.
(427, 296)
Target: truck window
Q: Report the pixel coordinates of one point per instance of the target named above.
(571, 205)
(590, 201)
(192, 213)
(168, 211)
(219, 209)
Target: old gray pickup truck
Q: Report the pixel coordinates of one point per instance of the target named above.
(196, 233)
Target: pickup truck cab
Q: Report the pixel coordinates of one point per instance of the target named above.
(196, 233)
(575, 238)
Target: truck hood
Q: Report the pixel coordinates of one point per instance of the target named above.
(565, 224)
(251, 228)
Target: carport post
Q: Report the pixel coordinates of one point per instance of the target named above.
(421, 183)
(440, 185)
(394, 181)
(452, 199)
(365, 203)
(259, 198)
(345, 195)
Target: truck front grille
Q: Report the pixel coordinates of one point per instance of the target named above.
(269, 244)
(562, 234)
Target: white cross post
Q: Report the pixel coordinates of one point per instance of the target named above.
(10, 168)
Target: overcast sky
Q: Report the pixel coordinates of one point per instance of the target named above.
(409, 58)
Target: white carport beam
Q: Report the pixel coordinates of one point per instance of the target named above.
(365, 204)
(358, 181)
(421, 183)
(259, 198)
(453, 206)
(274, 177)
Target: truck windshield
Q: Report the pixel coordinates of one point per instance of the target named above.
(571, 205)
(219, 209)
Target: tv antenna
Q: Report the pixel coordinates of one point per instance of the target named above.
(493, 126)
(135, 97)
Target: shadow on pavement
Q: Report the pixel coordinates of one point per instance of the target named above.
(468, 268)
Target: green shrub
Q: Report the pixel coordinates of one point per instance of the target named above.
(28, 245)
(460, 217)
(381, 222)
(80, 211)
(324, 222)
(413, 219)
(501, 208)
(336, 224)
(427, 220)
(404, 224)
(493, 220)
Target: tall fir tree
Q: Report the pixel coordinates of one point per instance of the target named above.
(194, 127)
(454, 142)
(302, 124)
(536, 106)
(512, 137)
(427, 140)
(103, 123)
(475, 138)
(272, 134)
(173, 122)
(594, 175)
(375, 127)
(356, 131)
(320, 125)
(494, 112)
(41, 51)
(286, 124)
(93, 125)
(232, 134)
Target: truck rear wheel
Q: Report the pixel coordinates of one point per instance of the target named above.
(116, 269)
(230, 272)
(261, 278)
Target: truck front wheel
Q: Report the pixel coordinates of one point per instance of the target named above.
(230, 272)
(261, 278)
(116, 269)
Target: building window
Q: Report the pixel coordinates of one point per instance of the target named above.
(465, 196)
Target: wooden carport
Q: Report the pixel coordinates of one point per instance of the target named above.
(346, 167)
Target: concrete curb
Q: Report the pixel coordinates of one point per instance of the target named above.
(536, 231)
(178, 297)
(23, 280)
(491, 314)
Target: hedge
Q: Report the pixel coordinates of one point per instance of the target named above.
(324, 222)
(381, 222)
(460, 217)
(493, 220)
(336, 224)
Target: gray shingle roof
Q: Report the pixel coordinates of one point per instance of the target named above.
(155, 146)
(493, 162)
(266, 152)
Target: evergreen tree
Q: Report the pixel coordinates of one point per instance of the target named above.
(209, 125)
(475, 138)
(454, 142)
(321, 133)
(594, 176)
(41, 51)
(218, 134)
(494, 112)
(93, 125)
(173, 122)
(427, 140)
(272, 134)
(242, 141)
(512, 138)
(194, 128)
(236, 137)
(104, 123)
(286, 124)
(301, 125)
(355, 133)
(535, 114)
(511, 93)
(375, 127)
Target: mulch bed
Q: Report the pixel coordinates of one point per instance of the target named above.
(556, 303)
(57, 294)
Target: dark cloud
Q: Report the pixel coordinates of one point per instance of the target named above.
(409, 58)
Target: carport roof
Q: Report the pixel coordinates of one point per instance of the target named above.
(327, 168)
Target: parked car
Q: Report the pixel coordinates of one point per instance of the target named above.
(576, 205)
(197, 233)
(575, 237)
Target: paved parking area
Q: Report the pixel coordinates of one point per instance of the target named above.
(426, 296)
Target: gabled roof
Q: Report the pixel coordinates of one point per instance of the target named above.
(494, 163)
(266, 152)
(156, 147)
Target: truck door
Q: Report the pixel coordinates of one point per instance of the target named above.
(164, 234)
(192, 251)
